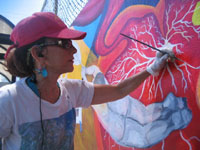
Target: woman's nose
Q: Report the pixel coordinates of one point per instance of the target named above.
(74, 50)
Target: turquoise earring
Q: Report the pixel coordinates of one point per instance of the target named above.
(43, 72)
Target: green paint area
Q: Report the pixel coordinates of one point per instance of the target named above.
(196, 15)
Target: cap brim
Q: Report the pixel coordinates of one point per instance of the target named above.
(68, 34)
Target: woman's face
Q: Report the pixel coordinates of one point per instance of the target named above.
(58, 55)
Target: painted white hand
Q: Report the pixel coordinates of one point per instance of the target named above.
(160, 62)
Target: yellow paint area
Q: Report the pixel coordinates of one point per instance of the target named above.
(86, 140)
(84, 51)
(198, 92)
(76, 74)
(196, 15)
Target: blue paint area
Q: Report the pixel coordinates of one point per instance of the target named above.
(59, 133)
(141, 2)
(91, 31)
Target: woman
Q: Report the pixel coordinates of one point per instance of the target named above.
(37, 112)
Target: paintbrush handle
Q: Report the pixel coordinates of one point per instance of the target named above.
(143, 43)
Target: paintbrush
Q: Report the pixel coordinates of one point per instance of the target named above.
(171, 55)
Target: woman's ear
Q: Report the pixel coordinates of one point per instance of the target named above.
(36, 53)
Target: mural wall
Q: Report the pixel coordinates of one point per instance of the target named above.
(163, 113)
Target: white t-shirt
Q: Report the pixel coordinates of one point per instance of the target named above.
(20, 126)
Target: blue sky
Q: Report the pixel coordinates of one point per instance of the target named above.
(15, 10)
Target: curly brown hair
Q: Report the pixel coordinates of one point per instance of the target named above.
(19, 62)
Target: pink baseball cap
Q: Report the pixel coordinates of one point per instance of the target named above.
(41, 24)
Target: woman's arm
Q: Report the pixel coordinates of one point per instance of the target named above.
(108, 93)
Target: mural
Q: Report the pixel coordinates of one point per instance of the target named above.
(163, 113)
